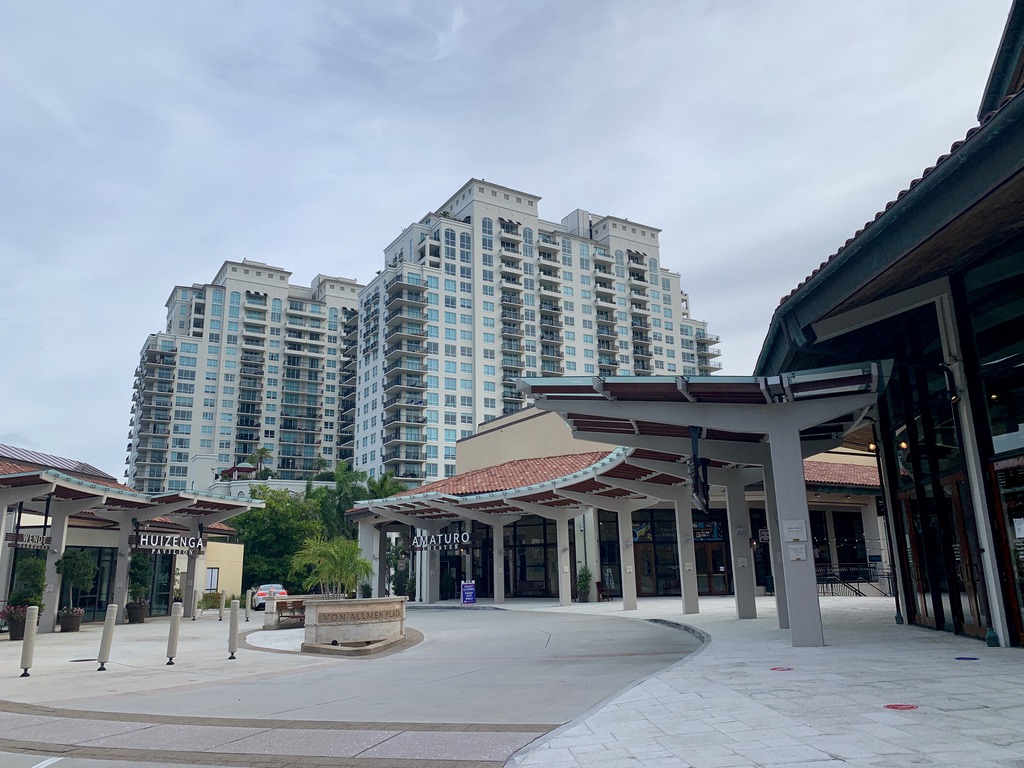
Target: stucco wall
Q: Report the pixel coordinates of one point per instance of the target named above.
(529, 434)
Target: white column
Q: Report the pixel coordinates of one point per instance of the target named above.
(771, 513)
(564, 571)
(687, 555)
(739, 544)
(380, 583)
(797, 551)
(367, 536)
(8, 519)
(498, 564)
(124, 553)
(59, 534)
(590, 553)
(627, 564)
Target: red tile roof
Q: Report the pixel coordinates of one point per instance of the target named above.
(952, 151)
(510, 475)
(830, 473)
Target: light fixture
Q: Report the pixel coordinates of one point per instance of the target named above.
(872, 447)
(993, 397)
(904, 445)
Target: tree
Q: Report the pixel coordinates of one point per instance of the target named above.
(349, 487)
(274, 533)
(384, 486)
(320, 465)
(77, 569)
(336, 566)
(259, 459)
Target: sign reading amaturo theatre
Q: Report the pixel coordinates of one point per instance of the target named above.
(441, 541)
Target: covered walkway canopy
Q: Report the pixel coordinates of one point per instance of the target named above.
(675, 438)
(31, 483)
(726, 426)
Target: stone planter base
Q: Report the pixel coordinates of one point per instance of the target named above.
(70, 623)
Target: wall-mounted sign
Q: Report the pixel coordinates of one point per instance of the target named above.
(794, 530)
(28, 540)
(168, 543)
(442, 541)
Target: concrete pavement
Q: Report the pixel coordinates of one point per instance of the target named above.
(745, 699)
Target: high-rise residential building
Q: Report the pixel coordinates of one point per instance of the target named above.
(484, 292)
(245, 362)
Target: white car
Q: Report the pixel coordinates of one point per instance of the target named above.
(259, 600)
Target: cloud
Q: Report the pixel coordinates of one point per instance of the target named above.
(142, 145)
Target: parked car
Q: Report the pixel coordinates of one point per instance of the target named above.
(259, 599)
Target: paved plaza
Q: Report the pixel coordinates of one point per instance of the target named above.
(531, 685)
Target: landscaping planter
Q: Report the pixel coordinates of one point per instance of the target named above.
(70, 623)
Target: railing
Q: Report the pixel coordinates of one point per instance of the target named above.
(854, 580)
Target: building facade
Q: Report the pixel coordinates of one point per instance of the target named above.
(248, 361)
(934, 285)
(484, 292)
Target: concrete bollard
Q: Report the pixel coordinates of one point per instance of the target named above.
(248, 603)
(233, 631)
(108, 637)
(28, 643)
(220, 611)
(195, 604)
(177, 611)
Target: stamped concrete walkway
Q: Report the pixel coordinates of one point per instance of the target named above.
(744, 699)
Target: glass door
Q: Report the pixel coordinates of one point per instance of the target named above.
(643, 556)
(712, 568)
(970, 615)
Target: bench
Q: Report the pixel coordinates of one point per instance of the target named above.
(289, 611)
(603, 593)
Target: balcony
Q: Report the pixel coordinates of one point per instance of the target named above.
(551, 352)
(512, 281)
(550, 306)
(405, 347)
(403, 280)
(551, 370)
(404, 401)
(511, 300)
(511, 267)
(405, 331)
(410, 298)
(511, 331)
(405, 382)
(550, 321)
(409, 436)
(549, 243)
(404, 417)
(511, 395)
(512, 315)
(641, 351)
(606, 331)
(550, 336)
(600, 254)
(403, 455)
(404, 313)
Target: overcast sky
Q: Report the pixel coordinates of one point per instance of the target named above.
(141, 144)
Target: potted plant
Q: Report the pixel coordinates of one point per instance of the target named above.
(365, 590)
(29, 584)
(140, 574)
(583, 580)
(77, 570)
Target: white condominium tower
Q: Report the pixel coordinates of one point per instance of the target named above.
(247, 361)
(484, 292)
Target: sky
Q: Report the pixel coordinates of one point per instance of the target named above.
(143, 144)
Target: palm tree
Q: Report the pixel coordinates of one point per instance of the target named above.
(337, 566)
(384, 486)
(259, 458)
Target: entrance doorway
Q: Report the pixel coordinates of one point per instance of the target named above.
(712, 568)
(944, 557)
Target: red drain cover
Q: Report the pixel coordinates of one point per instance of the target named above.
(901, 706)
(781, 669)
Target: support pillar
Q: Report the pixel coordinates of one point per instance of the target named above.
(687, 554)
(8, 519)
(564, 571)
(588, 548)
(771, 513)
(739, 544)
(58, 536)
(367, 537)
(627, 564)
(124, 553)
(498, 561)
(797, 547)
(380, 583)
